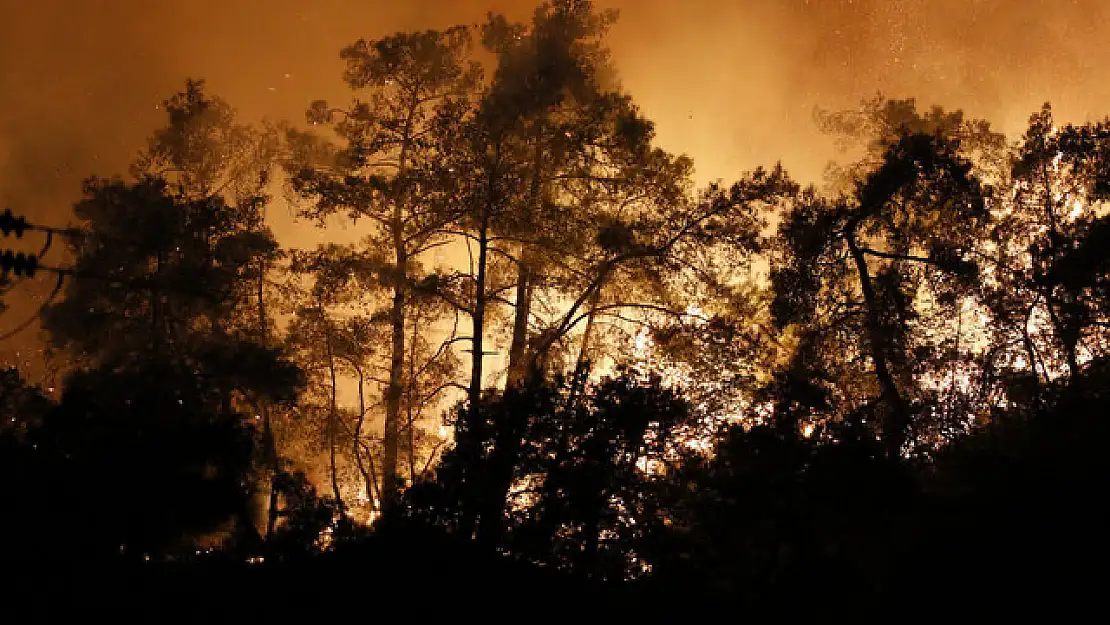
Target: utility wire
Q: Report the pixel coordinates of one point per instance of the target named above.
(62, 272)
(17, 225)
(38, 313)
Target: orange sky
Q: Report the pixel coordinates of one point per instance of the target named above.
(732, 83)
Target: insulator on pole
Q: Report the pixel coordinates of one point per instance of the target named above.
(20, 264)
(10, 223)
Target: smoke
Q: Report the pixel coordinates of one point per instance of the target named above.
(736, 83)
(733, 83)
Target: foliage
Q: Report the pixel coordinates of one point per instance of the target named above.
(169, 260)
(1042, 252)
(565, 481)
(164, 337)
(385, 173)
(856, 273)
(909, 407)
(145, 464)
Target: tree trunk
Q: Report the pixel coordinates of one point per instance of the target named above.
(269, 447)
(395, 389)
(399, 280)
(1068, 338)
(518, 367)
(517, 350)
(478, 320)
(373, 493)
(410, 417)
(272, 511)
(500, 468)
(577, 381)
(895, 425)
(271, 460)
(472, 435)
(333, 413)
(1035, 365)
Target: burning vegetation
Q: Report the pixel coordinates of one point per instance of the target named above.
(548, 348)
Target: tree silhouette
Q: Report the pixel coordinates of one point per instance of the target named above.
(383, 174)
(850, 269)
(1047, 293)
(169, 258)
(909, 412)
(577, 491)
(330, 345)
(548, 100)
(155, 416)
(164, 292)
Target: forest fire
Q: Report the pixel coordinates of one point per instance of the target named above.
(492, 309)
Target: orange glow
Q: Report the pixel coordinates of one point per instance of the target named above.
(732, 84)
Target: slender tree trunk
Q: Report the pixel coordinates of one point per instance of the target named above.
(269, 446)
(478, 321)
(270, 457)
(481, 511)
(272, 511)
(409, 401)
(518, 367)
(394, 391)
(333, 413)
(500, 468)
(473, 434)
(523, 304)
(577, 381)
(1068, 339)
(395, 388)
(373, 493)
(1034, 360)
(896, 423)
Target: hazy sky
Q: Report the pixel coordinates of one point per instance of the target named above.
(731, 83)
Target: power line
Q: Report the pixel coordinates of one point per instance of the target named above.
(18, 263)
(10, 223)
(26, 265)
(23, 264)
(38, 313)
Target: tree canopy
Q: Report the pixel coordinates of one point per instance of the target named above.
(551, 359)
